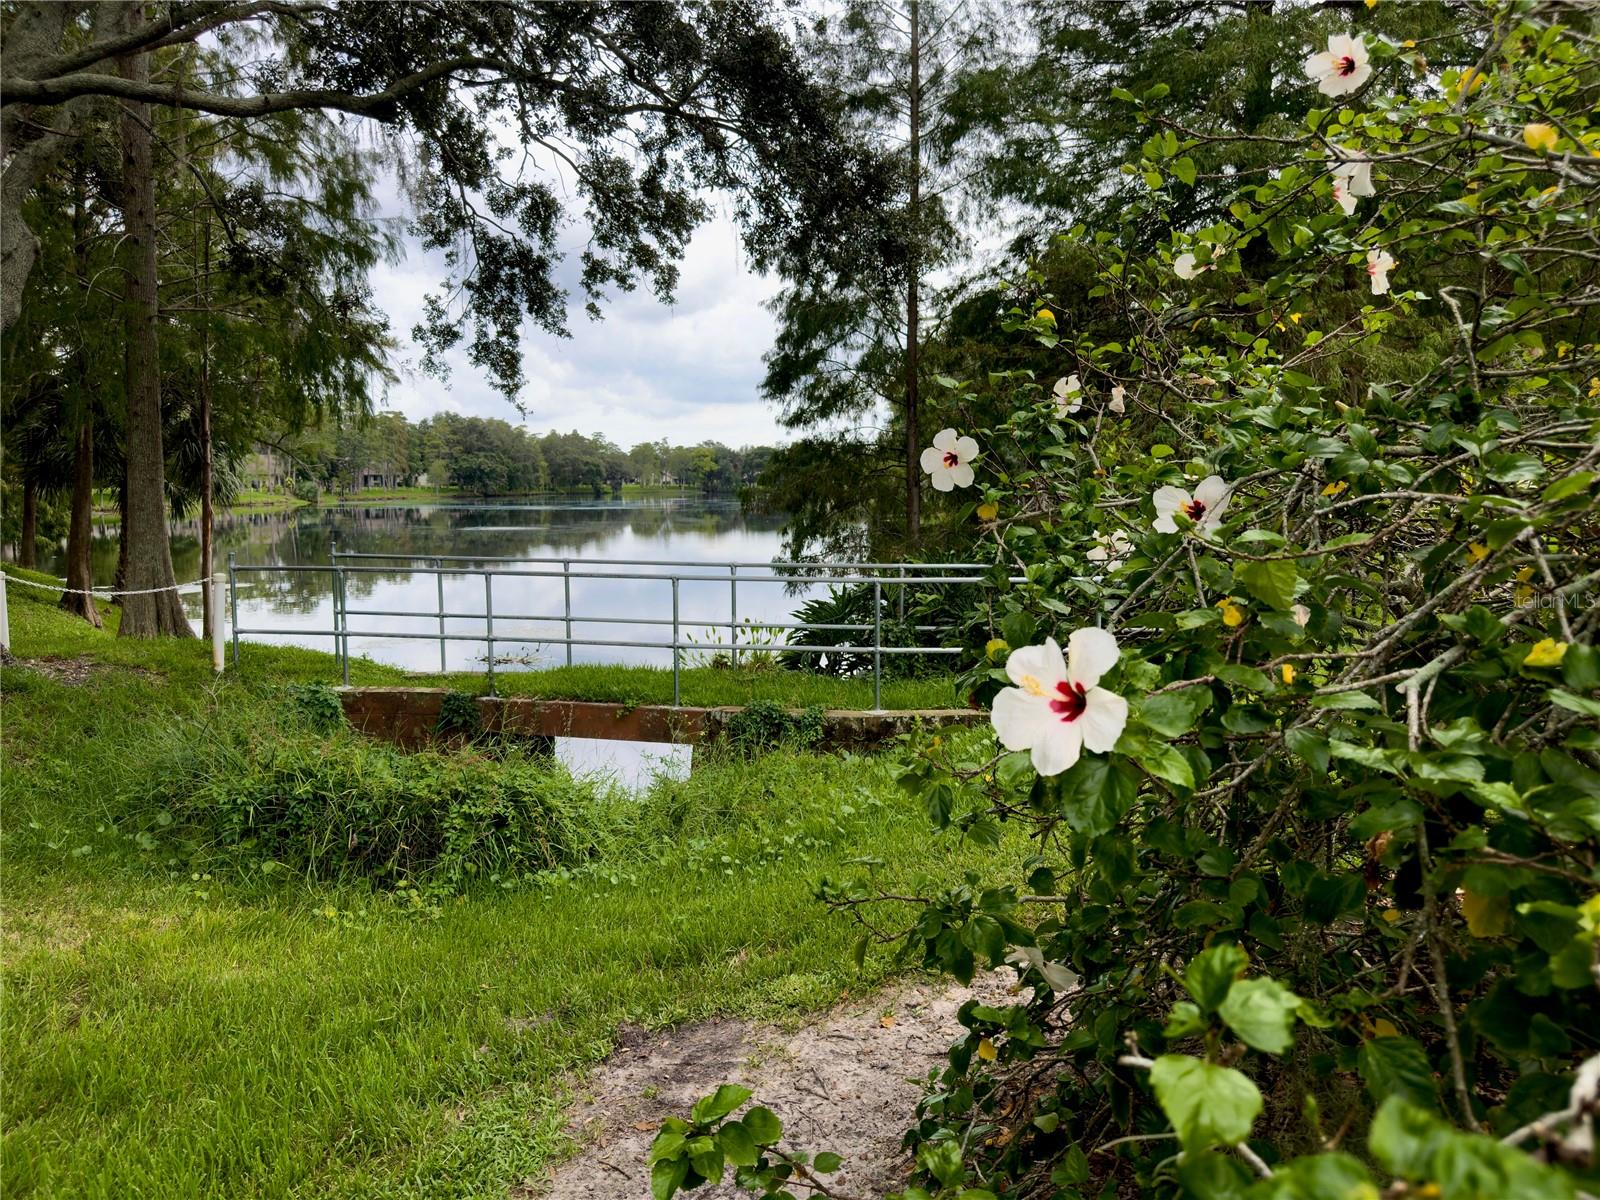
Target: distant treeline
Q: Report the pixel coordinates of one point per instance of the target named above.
(492, 457)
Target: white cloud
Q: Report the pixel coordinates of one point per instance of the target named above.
(686, 372)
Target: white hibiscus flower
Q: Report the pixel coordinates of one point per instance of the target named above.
(1352, 178)
(1341, 68)
(1379, 264)
(949, 460)
(1068, 394)
(1118, 403)
(1112, 548)
(1187, 266)
(1204, 508)
(1301, 615)
(1056, 711)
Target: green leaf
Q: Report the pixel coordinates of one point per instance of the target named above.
(1207, 1105)
(764, 1127)
(720, 1103)
(1310, 747)
(737, 1144)
(1211, 973)
(1097, 794)
(1184, 169)
(1335, 1176)
(1345, 701)
(827, 1162)
(667, 1177)
(1164, 762)
(1396, 1066)
(1173, 714)
(1262, 1012)
(1273, 583)
(1577, 704)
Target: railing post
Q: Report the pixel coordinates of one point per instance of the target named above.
(438, 566)
(901, 590)
(733, 610)
(677, 691)
(566, 589)
(877, 645)
(488, 622)
(341, 622)
(5, 617)
(233, 607)
(218, 582)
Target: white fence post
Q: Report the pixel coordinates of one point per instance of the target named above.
(5, 617)
(219, 585)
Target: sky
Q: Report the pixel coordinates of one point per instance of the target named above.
(686, 372)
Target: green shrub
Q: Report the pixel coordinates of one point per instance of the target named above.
(342, 806)
(765, 725)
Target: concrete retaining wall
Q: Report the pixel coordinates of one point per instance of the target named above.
(410, 717)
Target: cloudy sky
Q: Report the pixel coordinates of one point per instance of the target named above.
(685, 372)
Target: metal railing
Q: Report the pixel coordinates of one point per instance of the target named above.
(348, 565)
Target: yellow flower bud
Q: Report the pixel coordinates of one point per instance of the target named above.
(988, 511)
(1287, 671)
(1537, 135)
(1045, 315)
(1232, 614)
(995, 648)
(1547, 653)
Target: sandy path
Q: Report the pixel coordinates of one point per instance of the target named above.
(848, 1081)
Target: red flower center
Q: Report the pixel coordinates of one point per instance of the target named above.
(1347, 65)
(951, 459)
(1195, 509)
(1072, 703)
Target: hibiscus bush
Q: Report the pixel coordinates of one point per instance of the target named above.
(1299, 699)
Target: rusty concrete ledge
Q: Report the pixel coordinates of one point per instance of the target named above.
(409, 716)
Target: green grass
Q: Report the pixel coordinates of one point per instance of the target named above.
(244, 1034)
(252, 501)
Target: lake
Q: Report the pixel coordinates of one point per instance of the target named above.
(590, 533)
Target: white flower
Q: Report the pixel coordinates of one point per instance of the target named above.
(1342, 196)
(1301, 615)
(1352, 178)
(1204, 508)
(948, 460)
(1056, 710)
(1340, 69)
(1379, 264)
(1186, 266)
(1356, 169)
(1111, 548)
(1068, 394)
(1117, 395)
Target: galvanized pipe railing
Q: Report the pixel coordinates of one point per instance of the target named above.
(341, 568)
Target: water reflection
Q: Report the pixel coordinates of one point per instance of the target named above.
(529, 609)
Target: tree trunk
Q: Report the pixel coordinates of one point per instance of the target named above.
(28, 543)
(80, 530)
(30, 138)
(913, 401)
(149, 550)
(207, 554)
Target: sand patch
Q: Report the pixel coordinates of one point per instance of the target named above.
(847, 1081)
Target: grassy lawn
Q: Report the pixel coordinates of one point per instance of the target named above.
(248, 1033)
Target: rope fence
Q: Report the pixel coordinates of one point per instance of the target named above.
(219, 588)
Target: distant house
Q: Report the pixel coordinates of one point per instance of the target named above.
(266, 470)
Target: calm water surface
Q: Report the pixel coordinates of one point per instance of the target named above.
(298, 604)
(387, 596)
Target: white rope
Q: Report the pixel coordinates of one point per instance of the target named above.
(104, 593)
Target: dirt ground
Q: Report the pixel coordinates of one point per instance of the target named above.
(848, 1081)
